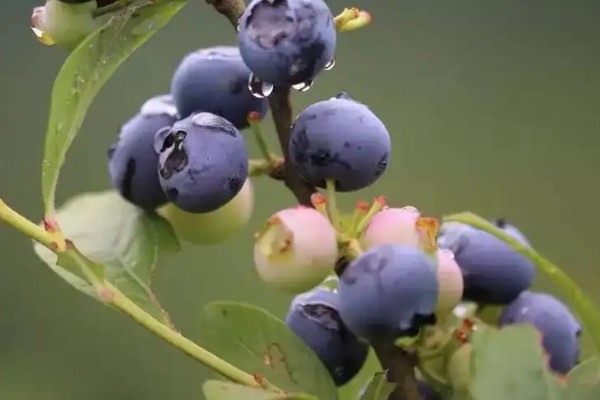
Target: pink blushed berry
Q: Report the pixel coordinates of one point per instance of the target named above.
(295, 250)
(450, 282)
(392, 226)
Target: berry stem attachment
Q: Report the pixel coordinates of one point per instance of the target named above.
(116, 6)
(51, 238)
(319, 202)
(254, 121)
(377, 206)
(352, 250)
(359, 212)
(258, 167)
(231, 9)
(332, 209)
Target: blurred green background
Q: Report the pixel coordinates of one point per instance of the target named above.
(493, 106)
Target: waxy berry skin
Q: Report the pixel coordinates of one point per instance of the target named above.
(388, 292)
(287, 42)
(341, 140)
(215, 80)
(493, 272)
(133, 161)
(552, 318)
(314, 317)
(203, 162)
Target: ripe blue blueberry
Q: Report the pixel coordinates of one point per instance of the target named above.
(493, 272)
(511, 230)
(287, 42)
(215, 80)
(314, 317)
(390, 291)
(133, 161)
(203, 162)
(427, 391)
(560, 330)
(341, 140)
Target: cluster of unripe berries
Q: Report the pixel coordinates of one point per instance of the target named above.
(184, 155)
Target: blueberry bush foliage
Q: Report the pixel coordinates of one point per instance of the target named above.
(445, 304)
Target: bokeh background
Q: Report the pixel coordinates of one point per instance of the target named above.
(493, 106)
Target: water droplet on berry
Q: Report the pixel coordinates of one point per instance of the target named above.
(237, 27)
(303, 86)
(258, 87)
(329, 66)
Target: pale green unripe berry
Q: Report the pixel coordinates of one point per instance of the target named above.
(64, 24)
(215, 226)
(450, 282)
(295, 250)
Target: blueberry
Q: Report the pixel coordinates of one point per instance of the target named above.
(133, 161)
(560, 330)
(203, 162)
(427, 391)
(215, 80)
(314, 317)
(388, 292)
(493, 272)
(295, 250)
(511, 230)
(287, 42)
(342, 140)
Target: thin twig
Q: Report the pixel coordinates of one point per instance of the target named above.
(401, 366)
(231, 9)
(281, 111)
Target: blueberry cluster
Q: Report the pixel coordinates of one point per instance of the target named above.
(183, 153)
(377, 276)
(407, 279)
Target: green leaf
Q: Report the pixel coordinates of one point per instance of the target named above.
(509, 363)
(584, 381)
(589, 369)
(379, 388)
(86, 70)
(126, 240)
(256, 341)
(581, 304)
(221, 390)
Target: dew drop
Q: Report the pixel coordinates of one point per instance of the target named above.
(303, 86)
(329, 66)
(237, 27)
(258, 87)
